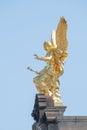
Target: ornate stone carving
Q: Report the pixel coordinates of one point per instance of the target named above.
(44, 110)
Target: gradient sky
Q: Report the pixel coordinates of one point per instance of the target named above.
(24, 25)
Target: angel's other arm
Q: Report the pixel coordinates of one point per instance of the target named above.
(43, 58)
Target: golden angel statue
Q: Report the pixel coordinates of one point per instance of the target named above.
(47, 80)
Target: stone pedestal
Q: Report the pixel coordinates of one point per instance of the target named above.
(45, 113)
(49, 117)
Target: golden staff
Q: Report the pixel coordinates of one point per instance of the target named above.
(32, 70)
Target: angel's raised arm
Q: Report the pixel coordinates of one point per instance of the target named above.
(43, 58)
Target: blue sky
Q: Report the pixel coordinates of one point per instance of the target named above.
(24, 25)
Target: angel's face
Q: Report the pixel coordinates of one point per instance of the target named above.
(46, 46)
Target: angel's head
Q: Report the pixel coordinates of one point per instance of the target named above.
(48, 46)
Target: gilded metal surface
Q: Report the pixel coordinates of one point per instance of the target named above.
(47, 80)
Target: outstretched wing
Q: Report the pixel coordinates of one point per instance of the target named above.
(61, 40)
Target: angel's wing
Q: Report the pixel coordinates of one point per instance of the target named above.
(61, 40)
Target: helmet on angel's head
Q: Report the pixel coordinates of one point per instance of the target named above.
(48, 46)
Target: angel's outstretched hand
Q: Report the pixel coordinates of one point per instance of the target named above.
(36, 56)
